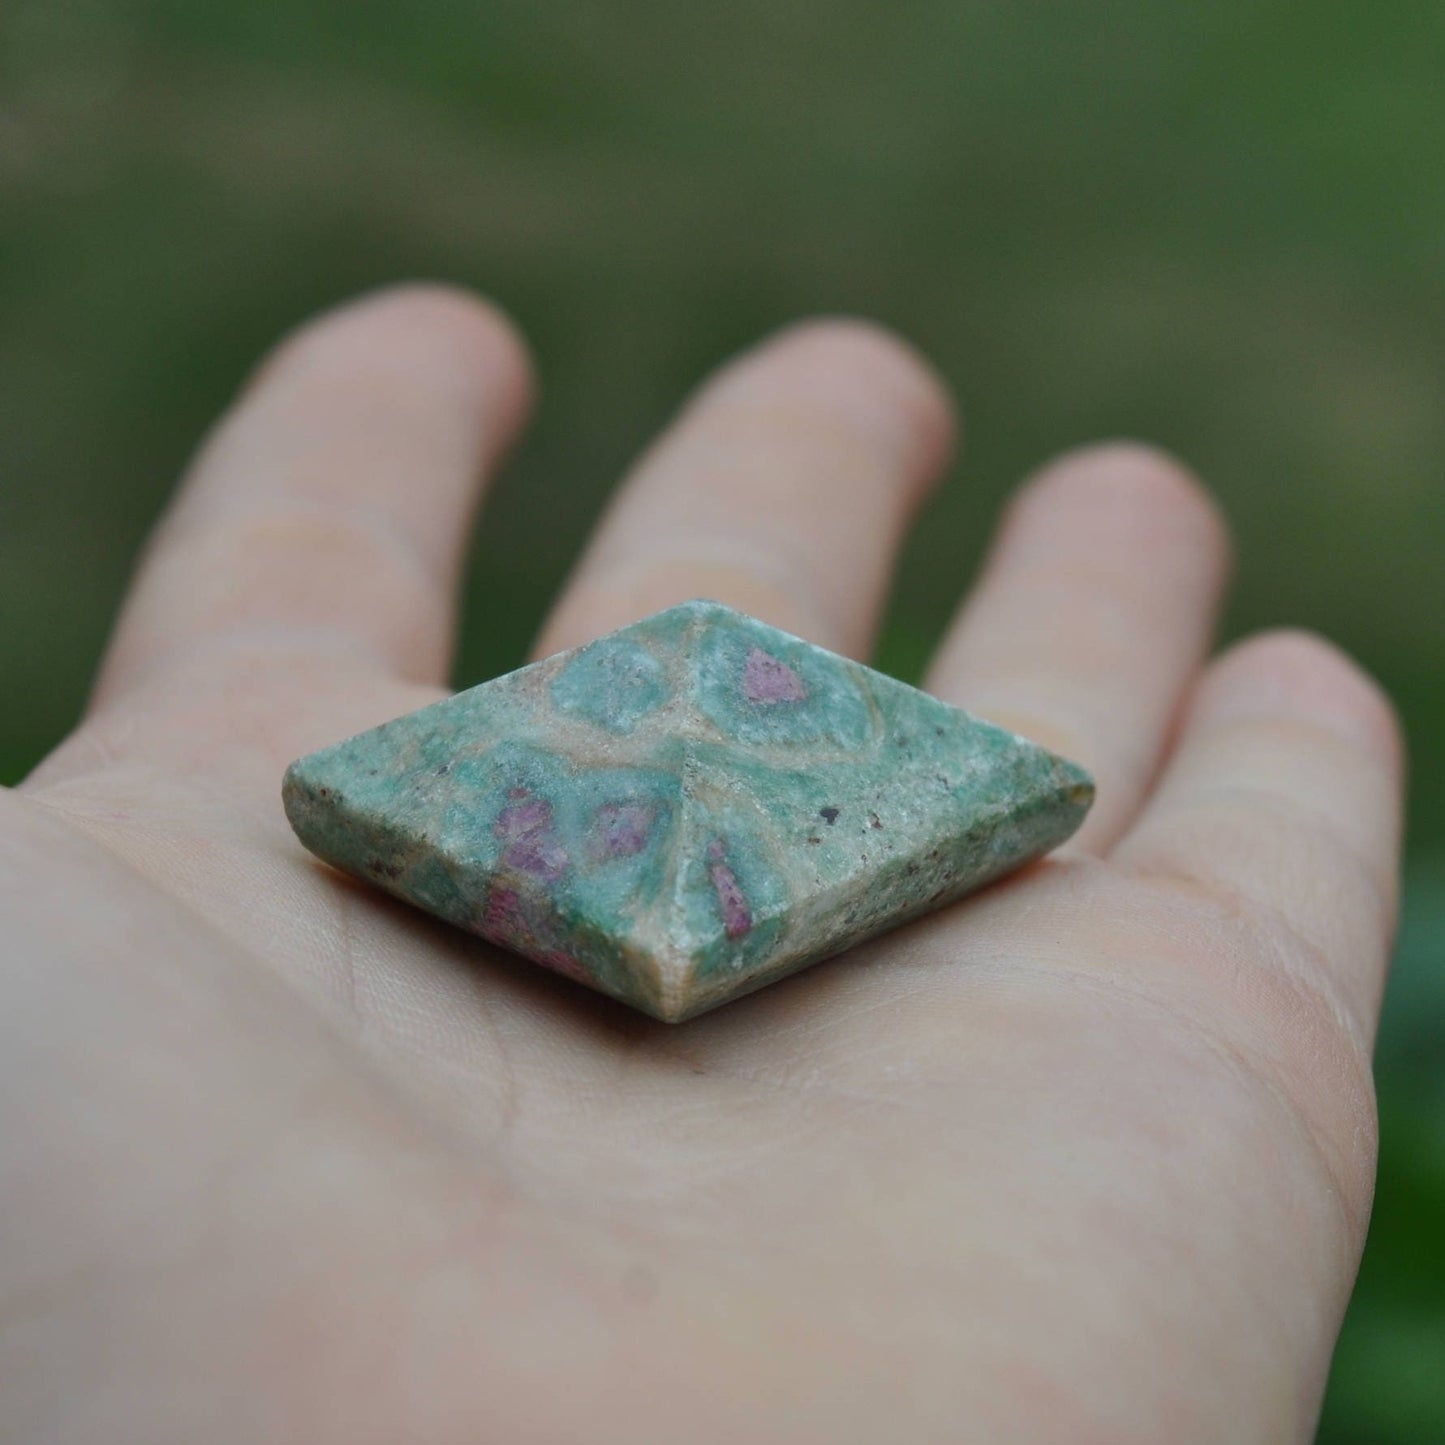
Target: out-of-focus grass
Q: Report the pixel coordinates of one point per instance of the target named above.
(1218, 227)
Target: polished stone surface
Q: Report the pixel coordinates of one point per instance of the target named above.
(686, 809)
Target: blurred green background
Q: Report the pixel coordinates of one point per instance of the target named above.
(1217, 226)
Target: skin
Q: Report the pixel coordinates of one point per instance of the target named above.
(1085, 1159)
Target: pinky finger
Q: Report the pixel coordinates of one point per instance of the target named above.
(1284, 795)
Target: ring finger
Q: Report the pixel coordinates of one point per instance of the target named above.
(1091, 618)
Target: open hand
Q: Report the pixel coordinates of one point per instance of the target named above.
(1087, 1158)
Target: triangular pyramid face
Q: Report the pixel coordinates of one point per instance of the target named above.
(686, 809)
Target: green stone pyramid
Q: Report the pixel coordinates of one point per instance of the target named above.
(684, 810)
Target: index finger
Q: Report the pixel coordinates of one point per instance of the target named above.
(330, 510)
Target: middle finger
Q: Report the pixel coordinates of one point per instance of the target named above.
(783, 489)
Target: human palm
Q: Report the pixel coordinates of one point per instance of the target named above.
(1085, 1158)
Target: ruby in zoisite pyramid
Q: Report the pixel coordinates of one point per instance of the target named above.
(686, 809)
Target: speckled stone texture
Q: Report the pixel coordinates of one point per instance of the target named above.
(686, 809)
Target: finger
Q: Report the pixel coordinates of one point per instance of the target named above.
(330, 509)
(783, 489)
(1091, 617)
(1284, 794)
